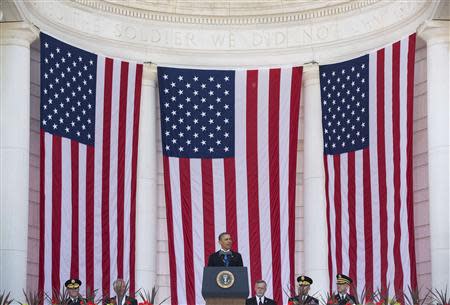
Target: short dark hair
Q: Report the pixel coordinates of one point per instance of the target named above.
(222, 234)
(261, 282)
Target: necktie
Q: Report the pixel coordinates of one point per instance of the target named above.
(260, 302)
(225, 260)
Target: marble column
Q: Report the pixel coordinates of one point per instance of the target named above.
(315, 225)
(16, 38)
(436, 34)
(147, 206)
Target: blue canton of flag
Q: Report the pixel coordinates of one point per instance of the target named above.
(197, 112)
(68, 82)
(345, 105)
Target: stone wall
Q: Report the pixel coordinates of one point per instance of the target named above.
(33, 215)
(420, 164)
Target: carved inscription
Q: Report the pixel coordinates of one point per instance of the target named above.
(223, 40)
(206, 38)
(158, 37)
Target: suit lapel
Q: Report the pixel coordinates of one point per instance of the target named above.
(218, 258)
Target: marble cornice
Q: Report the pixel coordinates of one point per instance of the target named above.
(435, 31)
(121, 10)
(324, 35)
(17, 33)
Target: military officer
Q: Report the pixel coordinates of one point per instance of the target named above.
(73, 290)
(343, 285)
(304, 285)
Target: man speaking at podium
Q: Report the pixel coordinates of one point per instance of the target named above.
(225, 257)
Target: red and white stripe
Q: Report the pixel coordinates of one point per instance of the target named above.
(252, 195)
(88, 193)
(369, 192)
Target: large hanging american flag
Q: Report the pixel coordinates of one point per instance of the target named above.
(229, 141)
(367, 109)
(88, 155)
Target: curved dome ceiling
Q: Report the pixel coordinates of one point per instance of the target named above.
(227, 7)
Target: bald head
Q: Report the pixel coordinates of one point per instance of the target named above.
(120, 287)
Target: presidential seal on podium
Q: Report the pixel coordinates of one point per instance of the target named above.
(225, 279)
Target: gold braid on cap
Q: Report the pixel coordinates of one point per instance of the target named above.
(342, 281)
(73, 286)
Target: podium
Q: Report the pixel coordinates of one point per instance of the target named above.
(225, 285)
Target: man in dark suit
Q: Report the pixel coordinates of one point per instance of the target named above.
(120, 288)
(225, 257)
(304, 284)
(260, 298)
(343, 284)
(73, 291)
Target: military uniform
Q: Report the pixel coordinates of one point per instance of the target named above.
(305, 300)
(304, 280)
(344, 298)
(74, 284)
(76, 301)
(347, 298)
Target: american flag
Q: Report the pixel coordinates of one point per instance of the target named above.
(367, 106)
(88, 155)
(229, 141)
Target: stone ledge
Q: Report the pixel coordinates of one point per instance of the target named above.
(17, 33)
(435, 31)
(247, 19)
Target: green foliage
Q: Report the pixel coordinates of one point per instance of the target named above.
(32, 298)
(149, 297)
(58, 297)
(4, 298)
(439, 297)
